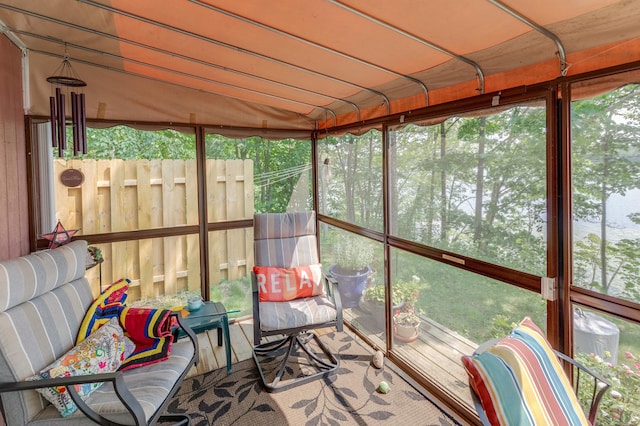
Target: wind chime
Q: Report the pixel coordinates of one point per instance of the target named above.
(65, 79)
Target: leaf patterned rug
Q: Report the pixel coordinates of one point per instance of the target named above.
(348, 397)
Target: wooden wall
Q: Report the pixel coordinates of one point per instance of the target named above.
(14, 217)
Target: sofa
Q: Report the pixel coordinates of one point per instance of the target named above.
(43, 300)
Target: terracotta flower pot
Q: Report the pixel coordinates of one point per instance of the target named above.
(406, 332)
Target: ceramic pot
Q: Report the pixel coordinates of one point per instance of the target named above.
(376, 311)
(406, 332)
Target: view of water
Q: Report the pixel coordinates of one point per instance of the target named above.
(619, 225)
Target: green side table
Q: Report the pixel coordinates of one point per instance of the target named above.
(211, 315)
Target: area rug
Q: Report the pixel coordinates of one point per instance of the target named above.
(348, 397)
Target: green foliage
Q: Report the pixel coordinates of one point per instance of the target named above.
(408, 291)
(95, 253)
(605, 153)
(126, 143)
(404, 293)
(350, 178)
(278, 168)
(406, 318)
(621, 404)
(501, 326)
(234, 295)
(353, 253)
(476, 186)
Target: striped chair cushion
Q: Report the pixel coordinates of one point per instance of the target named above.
(288, 241)
(519, 380)
(285, 240)
(296, 313)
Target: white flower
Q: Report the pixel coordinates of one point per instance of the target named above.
(615, 394)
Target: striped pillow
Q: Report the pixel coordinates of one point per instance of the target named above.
(519, 380)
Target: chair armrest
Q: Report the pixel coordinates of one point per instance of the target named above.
(597, 392)
(188, 332)
(333, 292)
(117, 378)
(256, 309)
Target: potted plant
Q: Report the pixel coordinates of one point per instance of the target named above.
(353, 255)
(94, 256)
(406, 326)
(406, 321)
(373, 300)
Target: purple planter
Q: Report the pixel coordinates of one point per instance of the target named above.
(351, 286)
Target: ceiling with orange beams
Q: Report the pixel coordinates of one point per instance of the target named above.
(298, 65)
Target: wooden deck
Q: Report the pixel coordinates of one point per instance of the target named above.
(435, 354)
(213, 356)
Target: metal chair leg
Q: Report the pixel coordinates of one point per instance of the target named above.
(293, 343)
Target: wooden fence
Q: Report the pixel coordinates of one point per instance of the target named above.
(127, 195)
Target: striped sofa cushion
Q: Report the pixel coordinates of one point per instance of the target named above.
(34, 295)
(30, 276)
(519, 380)
(40, 315)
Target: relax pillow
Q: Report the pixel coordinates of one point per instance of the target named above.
(283, 284)
(519, 380)
(101, 352)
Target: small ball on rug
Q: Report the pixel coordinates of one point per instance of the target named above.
(383, 387)
(378, 359)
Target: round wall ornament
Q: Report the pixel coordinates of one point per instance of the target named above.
(71, 178)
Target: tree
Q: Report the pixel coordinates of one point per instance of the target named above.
(126, 143)
(352, 178)
(605, 162)
(278, 166)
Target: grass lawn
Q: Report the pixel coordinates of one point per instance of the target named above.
(481, 309)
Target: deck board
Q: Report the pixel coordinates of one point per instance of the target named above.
(436, 354)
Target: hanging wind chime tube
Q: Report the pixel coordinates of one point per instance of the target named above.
(83, 123)
(65, 77)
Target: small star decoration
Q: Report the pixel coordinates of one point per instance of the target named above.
(59, 236)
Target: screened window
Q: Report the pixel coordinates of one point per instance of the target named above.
(474, 186)
(605, 164)
(246, 176)
(256, 175)
(131, 180)
(350, 178)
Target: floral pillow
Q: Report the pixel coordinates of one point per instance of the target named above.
(102, 352)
